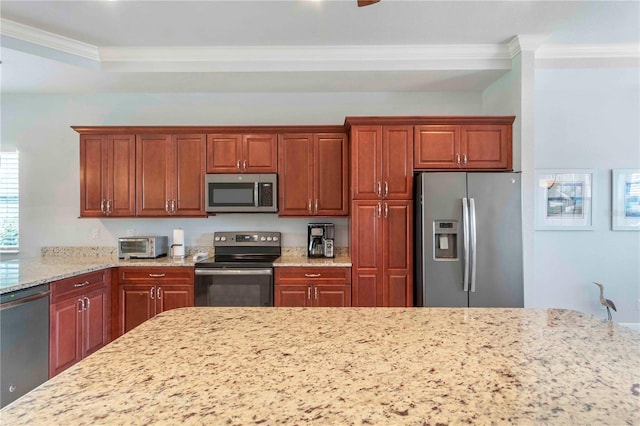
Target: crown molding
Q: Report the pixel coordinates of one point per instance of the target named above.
(592, 51)
(46, 39)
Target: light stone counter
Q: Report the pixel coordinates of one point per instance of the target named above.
(24, 273)
(243, 366)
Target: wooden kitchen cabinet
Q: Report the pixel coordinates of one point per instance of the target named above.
(312, 286)
(242, 153)
(107, 175)
(382, 253)
(170, 173)
(313, 174)
(144, 292)
(80, 318)
(381, 162)
(467, 146)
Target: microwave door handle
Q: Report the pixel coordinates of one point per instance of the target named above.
(255, 194)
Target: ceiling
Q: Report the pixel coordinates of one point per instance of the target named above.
(296, 45)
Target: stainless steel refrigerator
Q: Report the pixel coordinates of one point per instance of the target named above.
(469, 240)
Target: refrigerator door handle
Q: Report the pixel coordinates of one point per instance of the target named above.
(465, 239)
(474, 242)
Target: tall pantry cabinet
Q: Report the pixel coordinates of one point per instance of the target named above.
(381, 214)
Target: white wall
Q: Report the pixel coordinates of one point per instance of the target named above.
(588, 118)
(39, 126)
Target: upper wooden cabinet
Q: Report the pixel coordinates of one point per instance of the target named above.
(170, 173)
(469, 146)
(107, 175)
(381, 162)
(313, 174)
(242, 153)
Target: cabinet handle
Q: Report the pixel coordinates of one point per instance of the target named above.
(386, 189)
(238, 165)
(379, 189)
(310, 205)
(308, 292)
(316, 292)
(81, 284)
(173, 206)
(312, 275)
(88, 304)
(244, 164)
(379, 210)
(386, 210)
(156, 275)
(316, 206)
(159, 293)
(102, 207)
(81, 304)
(151, 292)
(464, 159)
(108, 207)
(458, 160)
(166, 206)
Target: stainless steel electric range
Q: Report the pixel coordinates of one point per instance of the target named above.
(241, 271)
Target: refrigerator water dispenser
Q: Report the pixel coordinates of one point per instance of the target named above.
(445, 240)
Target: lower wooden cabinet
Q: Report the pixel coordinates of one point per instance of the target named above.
(146, 292)
(80, 320)
(312, 286)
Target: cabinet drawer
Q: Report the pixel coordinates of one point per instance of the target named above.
(156, 275)
(78, 284)
(286, 275)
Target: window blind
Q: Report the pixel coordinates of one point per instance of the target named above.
(9, 201)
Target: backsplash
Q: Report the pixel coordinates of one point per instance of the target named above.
(98, 251)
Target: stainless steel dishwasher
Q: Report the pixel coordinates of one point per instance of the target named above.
(24, 342)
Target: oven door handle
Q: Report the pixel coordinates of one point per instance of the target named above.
(223, 271)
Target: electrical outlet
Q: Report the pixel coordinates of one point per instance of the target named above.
(131, 232)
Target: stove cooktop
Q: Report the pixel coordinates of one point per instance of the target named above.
(243, 250)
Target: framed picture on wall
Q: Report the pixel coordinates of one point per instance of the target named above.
(625, 197)
(564, 199)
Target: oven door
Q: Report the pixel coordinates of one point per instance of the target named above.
(234, 287)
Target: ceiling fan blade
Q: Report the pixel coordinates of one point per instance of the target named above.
(366, 2)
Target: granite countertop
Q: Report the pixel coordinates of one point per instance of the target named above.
(391, 366)
(18, 274)
(24, 273)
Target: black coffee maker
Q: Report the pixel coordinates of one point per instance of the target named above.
(320, 238)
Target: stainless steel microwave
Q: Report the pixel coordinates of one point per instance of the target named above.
(142, 247)
(241, 193)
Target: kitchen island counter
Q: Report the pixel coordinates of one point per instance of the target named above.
(350, 366)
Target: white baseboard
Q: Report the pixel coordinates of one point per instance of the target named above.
(632, 325)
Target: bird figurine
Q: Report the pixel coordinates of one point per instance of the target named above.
(607, 303)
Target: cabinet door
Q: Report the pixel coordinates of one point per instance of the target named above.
(332, 296)
(136, 305)
(296, 295)
(486, 147)
(224, 153)
(260, 153)
(295, 175)
(398, 254)
(121, 176)
(96, 320)
(397, 166)
(437, 147)
(190, 152)
(366, 253)
(331, 179)
(366, 153)
(65, 334)
(154, 168)
(93, 175)
(172, 296)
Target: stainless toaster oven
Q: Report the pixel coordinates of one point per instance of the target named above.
(142, 247)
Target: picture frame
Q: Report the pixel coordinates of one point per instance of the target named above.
(564, 199)
(625, 199)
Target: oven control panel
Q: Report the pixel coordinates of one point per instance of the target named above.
(243, 238)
